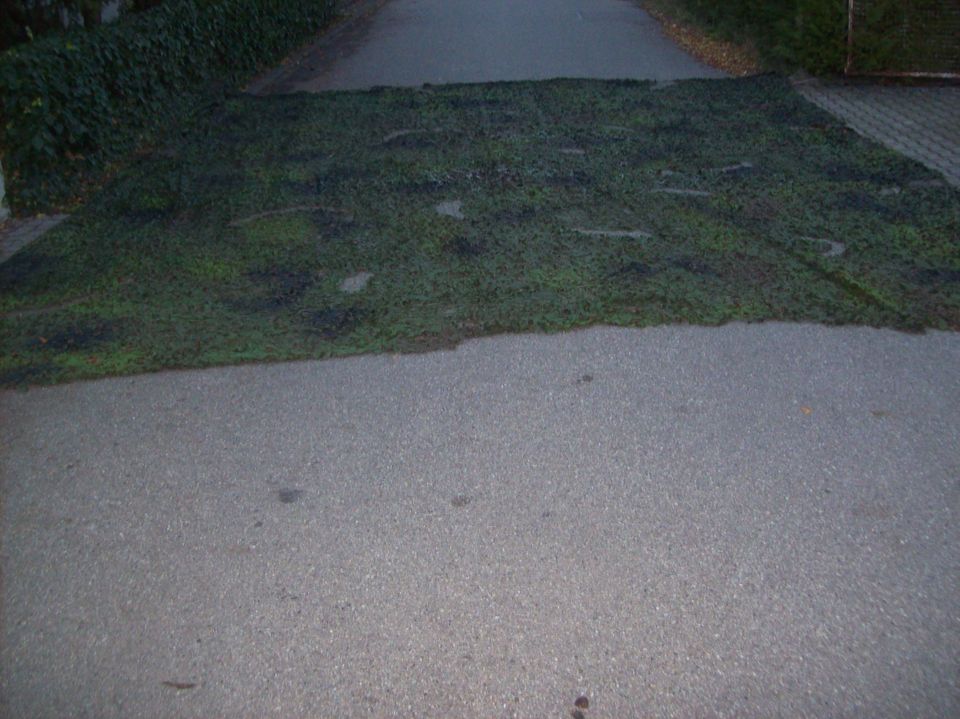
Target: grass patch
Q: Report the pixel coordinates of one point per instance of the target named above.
(580, 202)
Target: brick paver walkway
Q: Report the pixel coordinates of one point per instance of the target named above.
(922, 123)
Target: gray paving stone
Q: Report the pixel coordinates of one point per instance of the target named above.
(922, 123)
(17, 233)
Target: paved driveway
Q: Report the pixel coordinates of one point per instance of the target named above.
(412, 42)
(742, 521)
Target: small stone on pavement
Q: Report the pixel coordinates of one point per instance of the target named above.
(451, 208)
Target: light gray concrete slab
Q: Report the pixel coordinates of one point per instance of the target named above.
(750, 521)
(4, 211)
(922, 123)
(413, 42)
(20, 232)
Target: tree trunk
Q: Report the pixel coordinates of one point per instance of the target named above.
(90, 11)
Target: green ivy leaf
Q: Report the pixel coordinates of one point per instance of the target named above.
(162, 58)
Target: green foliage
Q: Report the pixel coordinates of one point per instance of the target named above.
(818, 42)
(812, 34)
(21, 20)
(24, 20)
(72, 103)
(788, 33)
(891, 34)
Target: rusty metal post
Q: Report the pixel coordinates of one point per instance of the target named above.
(849, 66)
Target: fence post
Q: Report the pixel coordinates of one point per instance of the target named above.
(848, 68)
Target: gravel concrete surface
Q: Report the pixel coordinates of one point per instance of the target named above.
(755, 520)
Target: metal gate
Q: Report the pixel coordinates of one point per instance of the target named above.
(904, 38)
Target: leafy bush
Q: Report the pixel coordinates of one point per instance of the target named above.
(24, 20)
(818, 41)
(788, 33)
(889, 34)
(21, 20)
(71, 103)
(917, 35)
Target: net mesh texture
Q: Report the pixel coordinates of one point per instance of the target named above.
(906, 36)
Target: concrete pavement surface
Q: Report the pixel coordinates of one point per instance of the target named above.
(413, 42)
(754, 520)
(750, 521)
(922, 123)
(18, 233)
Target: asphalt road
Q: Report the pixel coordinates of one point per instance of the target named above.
(413, 42)
(745, 521)
(748, 521)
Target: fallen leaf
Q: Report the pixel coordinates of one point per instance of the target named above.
(806, 410)
(179, 686)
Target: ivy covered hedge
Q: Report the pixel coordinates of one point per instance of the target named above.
(70, 104)
(812, 34)
(787, 33)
